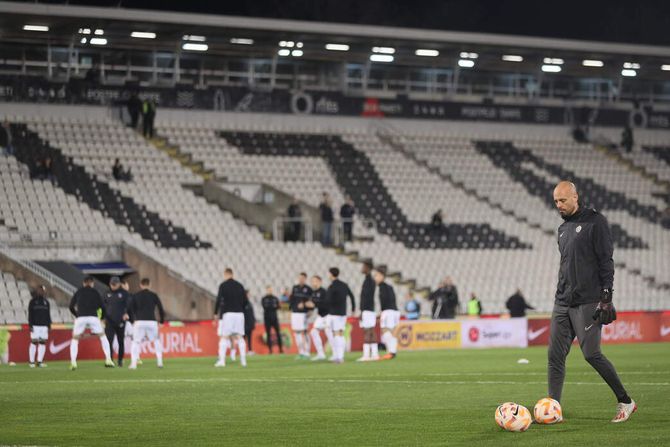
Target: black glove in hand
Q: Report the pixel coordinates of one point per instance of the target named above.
(605, 312)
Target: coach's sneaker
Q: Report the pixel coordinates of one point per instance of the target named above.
(624, 411)
(32, 365)
(109, 364)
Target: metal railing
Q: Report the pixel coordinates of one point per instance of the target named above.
(306, 228)
(46, 275)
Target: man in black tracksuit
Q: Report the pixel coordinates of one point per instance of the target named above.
(270, 304)
(229, 309)
(584, 295)
(39, 319)
(445, 300)
(142, 309)
(116, 313)
(517, 305)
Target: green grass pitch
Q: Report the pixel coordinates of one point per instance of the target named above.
(421, 398)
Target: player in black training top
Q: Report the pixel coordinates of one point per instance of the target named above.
(39, 319)
(116, 314)
(143, 309)
(87, 307)
(270, 304)
(337, 312)
(320, 303)
(390, 316)
(298, 301)
(368, 319)
(229, 310)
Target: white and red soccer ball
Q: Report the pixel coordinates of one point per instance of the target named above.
(511, 416)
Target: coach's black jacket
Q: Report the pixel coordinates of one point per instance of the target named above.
(39, 313)
(587, 267)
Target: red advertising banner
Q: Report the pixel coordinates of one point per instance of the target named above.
(629, 327)
(193, 339)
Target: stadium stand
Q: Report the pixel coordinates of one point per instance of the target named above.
(14, 299)
(413, 167)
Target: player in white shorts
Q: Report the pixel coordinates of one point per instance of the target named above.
(87, 307)
(229, 310)
(337, 294)
(319, 302)
(142, 309)
(390, 316)
(368, 320)
(39, 319)
(298, 302)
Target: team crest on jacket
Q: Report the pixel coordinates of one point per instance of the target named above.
(578, 229)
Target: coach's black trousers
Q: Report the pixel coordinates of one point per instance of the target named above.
(566, 324)
(119, 330)
(273, 323)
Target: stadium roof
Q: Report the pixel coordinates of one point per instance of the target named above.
(260, 37)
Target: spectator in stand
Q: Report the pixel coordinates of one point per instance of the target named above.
(6, 138)
(517, 305)
(665, 218)
(294, 227)
(347, 212)
(627, 139)
(445, 300)
(119, 173)
(134, 109)
(474, 306)
(412, 307)
(326, 220)
(148, 116)
(437, 224)
(249, 323)
(47, 170)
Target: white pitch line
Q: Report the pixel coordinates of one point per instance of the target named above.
(314, 380)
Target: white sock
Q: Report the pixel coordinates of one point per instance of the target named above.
(392, 345)
(105, 348)
(223, 346)
(41, 350)
(385, 340)
(340, 346)
(329, 339)
(74, 350)
(158, 346)
(31, 352)
(366, 350)
(299, 341)
(318, 344)
(308, 344)
(134, 353)
(242, 347)
(374, 350)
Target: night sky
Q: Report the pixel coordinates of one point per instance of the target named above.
(643, 21)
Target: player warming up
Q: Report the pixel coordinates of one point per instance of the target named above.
(321, 304)
(300, 296)
(39, 319)
(87, 307)
(143, 308)
(229, 310)
(584, 295)
(390, 316)
(336, 296)
(368, 315)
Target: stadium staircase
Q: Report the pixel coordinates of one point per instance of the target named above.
(357, 177)
(185, 159)
(412, 157)
(98, 195)
(632, 166)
